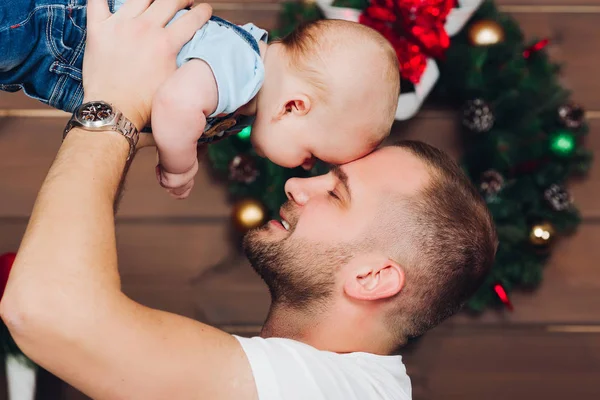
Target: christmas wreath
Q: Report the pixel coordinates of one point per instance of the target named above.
(523, 138)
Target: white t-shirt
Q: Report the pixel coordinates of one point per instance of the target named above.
(285, 369)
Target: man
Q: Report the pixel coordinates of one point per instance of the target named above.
(376, 251)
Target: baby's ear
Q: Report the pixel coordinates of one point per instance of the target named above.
(299, 105)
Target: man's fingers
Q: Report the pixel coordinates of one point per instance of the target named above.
(97, 11)
(133, 8)
(182, 30)
(162, 11)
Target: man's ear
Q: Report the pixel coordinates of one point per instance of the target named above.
(376, 281)
(297, 105)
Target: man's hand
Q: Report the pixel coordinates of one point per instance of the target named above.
(148, 46)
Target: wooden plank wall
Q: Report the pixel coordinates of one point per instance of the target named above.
(178, 256)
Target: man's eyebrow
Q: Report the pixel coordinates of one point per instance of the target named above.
(337, 171)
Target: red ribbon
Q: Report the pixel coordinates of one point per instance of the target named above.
(415, 28)
(503, 296)
(535, 48)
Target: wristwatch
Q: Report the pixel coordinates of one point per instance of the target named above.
(102, 116)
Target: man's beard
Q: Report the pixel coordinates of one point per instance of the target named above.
(298, 273)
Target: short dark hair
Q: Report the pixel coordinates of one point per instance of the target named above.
(452, 235)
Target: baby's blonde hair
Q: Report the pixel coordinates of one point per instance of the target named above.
(310, 45)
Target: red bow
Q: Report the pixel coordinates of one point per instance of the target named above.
(415, 28)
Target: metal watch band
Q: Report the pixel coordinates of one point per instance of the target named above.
(127, 129)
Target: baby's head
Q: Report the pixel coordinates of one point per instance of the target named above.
(330, 93)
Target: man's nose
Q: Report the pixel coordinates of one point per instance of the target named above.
(295, 190)
(301, 190)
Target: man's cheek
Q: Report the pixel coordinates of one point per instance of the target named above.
(317, 229)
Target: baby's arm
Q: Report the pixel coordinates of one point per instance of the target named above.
(179, 113)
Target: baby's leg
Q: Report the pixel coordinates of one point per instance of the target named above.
(42, 44)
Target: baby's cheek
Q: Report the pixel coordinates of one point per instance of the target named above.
(285, 154)
(295, 153)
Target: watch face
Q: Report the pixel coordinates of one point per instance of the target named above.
(95, 113)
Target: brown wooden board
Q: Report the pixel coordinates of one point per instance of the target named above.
(513, 365)
(28, 147)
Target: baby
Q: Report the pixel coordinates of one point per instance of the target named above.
(327, 91)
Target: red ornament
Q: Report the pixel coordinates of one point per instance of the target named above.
(6, 263)
(535, 48)
(415, 28)
(499, 289)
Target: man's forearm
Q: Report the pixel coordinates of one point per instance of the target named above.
(69, 250)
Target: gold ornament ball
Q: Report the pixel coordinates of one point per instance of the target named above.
(248, 214)
(486, 33)
(542, 234)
